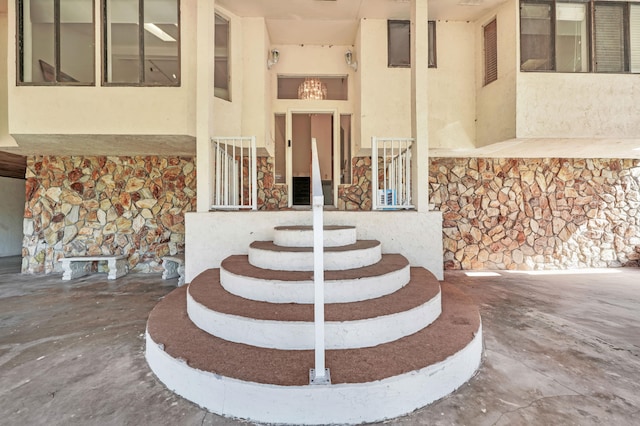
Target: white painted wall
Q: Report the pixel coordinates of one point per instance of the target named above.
(106, 110)
(212, 236)
(11, 216)
(452, 104)
(385, 97)
(496, 102)
(580, 105)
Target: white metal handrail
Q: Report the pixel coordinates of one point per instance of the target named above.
(319, 375)
(235, 177)
(391, 173)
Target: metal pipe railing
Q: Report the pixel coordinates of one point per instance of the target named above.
(231, 156)
(391, 186)
(319, 375)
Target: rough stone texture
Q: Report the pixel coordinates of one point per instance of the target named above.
(271, 195)
(537, 213)
(357, 195)
(78, 206)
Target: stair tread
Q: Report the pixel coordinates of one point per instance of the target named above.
(207, 290)
(310, 228)
(170, 326)
(239, 265)
(269, 245)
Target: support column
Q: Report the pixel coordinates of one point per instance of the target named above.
(419, 104)
(205, 60)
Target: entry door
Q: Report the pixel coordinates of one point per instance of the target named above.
(301, 128)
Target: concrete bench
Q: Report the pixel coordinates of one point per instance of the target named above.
(173, 268)
(79, 266)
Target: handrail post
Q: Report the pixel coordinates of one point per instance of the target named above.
(374, 173)
(318, 375)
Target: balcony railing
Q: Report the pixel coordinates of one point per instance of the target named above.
(235, 174)
(391, 173)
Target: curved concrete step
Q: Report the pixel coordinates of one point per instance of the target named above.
(269, 385)
(302, 236)
(241, 278)
(267, 255)
(291, 326)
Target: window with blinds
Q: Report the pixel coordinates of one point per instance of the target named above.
(634, 37)
(580, 36)
(609, 37)
(490, 52)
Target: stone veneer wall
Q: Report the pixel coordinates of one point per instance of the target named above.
(271, 195)
(106, 205)
(357, 195)
(537, 213)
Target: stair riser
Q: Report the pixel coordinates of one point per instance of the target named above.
(343, 291)
(303, 261)
(299, 335)
(304, 238)
(341, 403)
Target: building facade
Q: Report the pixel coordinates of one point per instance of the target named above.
(494, 134)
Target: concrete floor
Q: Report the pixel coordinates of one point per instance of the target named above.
(560, 349)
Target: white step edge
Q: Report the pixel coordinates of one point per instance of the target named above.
(341, 291)
(299, 335)
(342, 236)
(303, 261)
(316, 404)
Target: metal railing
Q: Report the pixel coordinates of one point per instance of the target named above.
(235, 176)
(391, 173)
(318, 375)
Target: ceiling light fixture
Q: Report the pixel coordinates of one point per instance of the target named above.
(312, 89)
(156, 31)
(348, 57)
(274, 57)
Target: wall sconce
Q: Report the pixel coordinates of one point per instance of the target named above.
(274, 56)
(348, 58)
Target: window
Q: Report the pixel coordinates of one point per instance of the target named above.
(433, 63)
(490, 52)
(337, 87)
(141, 42)
(579, 36)
(221, 72)
(399, 44)
(55, 42)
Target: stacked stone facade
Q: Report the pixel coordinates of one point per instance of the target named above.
(93, 206)
(271, 195)
(357, 195)
(537, 213)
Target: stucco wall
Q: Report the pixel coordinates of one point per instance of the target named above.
(11, 213)
(537, 213)
(496, 102)
(452, 106)
(106, 205)
(578, 105)
(385, 107)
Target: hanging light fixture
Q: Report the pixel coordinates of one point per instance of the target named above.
(312, 88)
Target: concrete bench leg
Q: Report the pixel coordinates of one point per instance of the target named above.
(117, 268)
(75, 269)
(170, 269)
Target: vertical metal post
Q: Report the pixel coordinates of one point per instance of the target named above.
(254, 174)
(374, 173)
(320, 375)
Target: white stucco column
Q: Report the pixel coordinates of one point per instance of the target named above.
(419, 104)
(205, 60)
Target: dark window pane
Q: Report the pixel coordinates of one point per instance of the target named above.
(37, 38)
(337, 87)
(122, 40)
(572, 46)
(535, 37)
(432, 45)
(399, 44)
(221, 71)
(161, 41)
(76, 41)
(634, 30)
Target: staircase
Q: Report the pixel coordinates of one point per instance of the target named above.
(239, 340)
